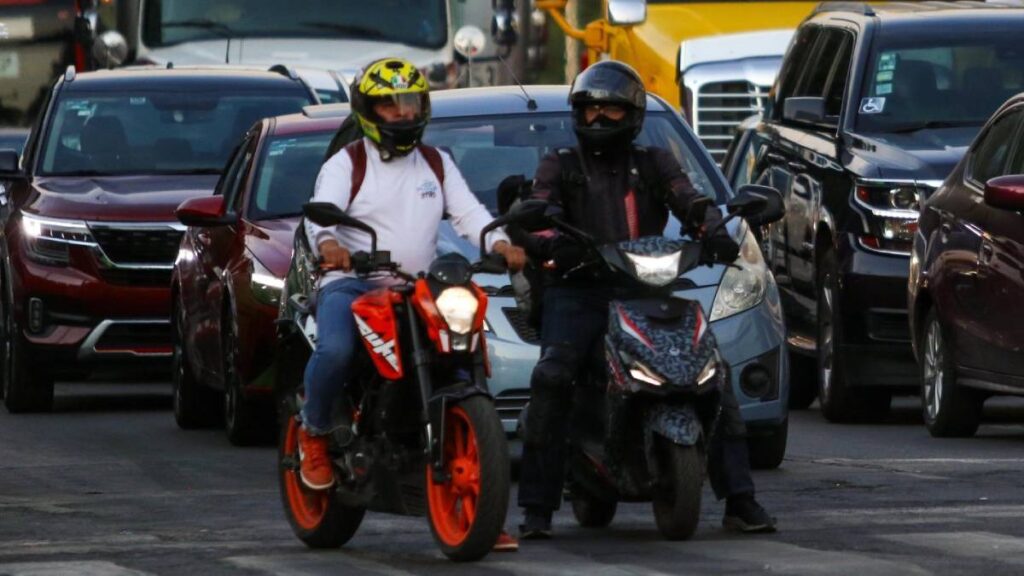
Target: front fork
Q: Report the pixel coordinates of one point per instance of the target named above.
(435, 403)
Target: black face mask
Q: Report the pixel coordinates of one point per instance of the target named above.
(604, 133)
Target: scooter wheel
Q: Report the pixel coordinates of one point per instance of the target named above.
(316, 517)
(467, 511)
(677, 501)
(591, 512)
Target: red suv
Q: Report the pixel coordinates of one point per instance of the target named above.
(229, 273)
(89, 231)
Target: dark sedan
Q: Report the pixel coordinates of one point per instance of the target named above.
(966, 283)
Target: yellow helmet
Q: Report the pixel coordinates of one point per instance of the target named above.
(396, 88)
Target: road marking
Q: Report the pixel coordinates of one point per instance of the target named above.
(783, 558)
(988, 545)
(306, 564)
(548, 561)
(78, 568)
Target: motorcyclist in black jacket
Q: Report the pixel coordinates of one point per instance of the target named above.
(613, 190)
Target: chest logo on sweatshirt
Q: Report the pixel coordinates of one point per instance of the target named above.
(427, 189)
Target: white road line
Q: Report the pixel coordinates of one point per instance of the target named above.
(308, 564)
(988, 545)
(78, 568)
(748, 555)
(548, 561)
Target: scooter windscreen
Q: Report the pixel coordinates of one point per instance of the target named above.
(655, 260)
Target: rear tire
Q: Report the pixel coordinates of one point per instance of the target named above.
(950, 410)
(767, 452)
(467, 512)
(591, 512)
(25, 388)
(195, 406)
(677, 502)
(316, 517)
(840, 397)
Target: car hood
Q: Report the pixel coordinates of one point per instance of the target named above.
(343, 55)
(117, 198)
(450, 241)
(921, 155)
(270, 242)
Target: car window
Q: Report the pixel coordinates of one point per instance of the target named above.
(287, 171)
(795, 62)
(487, 149)
(236, 165)
(839, 76)
(937, 78)
(743, 163)
(142, 131)
(824, 53)
(1016, 165)
(990, 155)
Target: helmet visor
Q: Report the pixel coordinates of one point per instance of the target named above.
(407, 107)
(607, 85)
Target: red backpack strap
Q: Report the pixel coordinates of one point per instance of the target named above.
(434, 160)
(357, 153)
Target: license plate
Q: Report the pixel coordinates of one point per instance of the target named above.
(9, 65)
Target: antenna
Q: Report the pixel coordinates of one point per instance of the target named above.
(227, 51)
(531, 104)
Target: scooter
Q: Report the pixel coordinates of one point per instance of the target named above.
(422, 436)
(640, 425)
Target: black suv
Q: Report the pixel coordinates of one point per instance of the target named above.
(873, 107)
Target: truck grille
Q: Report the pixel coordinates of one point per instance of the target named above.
(720, 108)
(155, 246)
(521, 325)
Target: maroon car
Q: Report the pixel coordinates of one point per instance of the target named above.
(89, 235)
(966, 282)
(228, 275)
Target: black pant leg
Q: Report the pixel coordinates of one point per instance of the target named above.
(728, 454)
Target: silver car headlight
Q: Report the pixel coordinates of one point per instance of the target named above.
(656, 270)
(744, 283)
(47, 239)
(266, 287)
(458, 307)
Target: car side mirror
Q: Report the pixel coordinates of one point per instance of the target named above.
(9, 164)
(204, 211)
(627, 12)
(1006, 192)
(804, 109)
(758, 205)
(110, 49)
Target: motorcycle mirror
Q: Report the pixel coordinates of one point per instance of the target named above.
(534, 215)
(767, 207)
(696, 212)
(328, 214)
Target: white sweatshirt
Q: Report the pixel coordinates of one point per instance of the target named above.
(403, 201)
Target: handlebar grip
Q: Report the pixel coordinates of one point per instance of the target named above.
(361, 262)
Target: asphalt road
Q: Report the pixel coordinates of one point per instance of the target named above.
(107, 485)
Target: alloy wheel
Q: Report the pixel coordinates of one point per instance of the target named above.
(827, 342)
(933, 371)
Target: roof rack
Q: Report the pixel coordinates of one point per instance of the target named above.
(69, 73)
(857, 7)
(284, 70)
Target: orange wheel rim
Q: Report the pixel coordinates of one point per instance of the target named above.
(453, 504)
(307, 507)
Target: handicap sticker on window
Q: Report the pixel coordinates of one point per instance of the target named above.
(872, 105)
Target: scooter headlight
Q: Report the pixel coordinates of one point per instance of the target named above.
(707, 374)
(640, 371)
(458, 307)
(656, 270)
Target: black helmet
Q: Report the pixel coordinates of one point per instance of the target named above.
(608, 82)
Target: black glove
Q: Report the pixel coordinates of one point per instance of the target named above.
(568, 255)
(721, 248)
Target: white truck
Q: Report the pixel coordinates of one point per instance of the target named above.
(725, 79)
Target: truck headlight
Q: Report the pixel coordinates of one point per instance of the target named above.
(266, 288)
(744, 282)
(656, 270)
(47, 239)
(458, 307)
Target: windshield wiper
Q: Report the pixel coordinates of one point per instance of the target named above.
(933, 124)
(361, 31)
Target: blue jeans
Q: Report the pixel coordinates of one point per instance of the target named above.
(337, 337)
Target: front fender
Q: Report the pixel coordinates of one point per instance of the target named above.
(678, 424)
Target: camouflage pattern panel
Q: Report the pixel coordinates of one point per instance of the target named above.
(679, 424)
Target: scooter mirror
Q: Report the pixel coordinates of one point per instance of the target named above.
(534, 215)
(766, 207)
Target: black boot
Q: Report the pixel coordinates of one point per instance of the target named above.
(536, 525)
(744, 514)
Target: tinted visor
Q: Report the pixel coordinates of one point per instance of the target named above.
(601, 84)
(400, 107)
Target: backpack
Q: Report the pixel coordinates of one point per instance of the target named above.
(357, 153)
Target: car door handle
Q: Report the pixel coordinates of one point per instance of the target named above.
(802, 186)
(775, 158)
(944, 229)
(985, 254)
(796, 166)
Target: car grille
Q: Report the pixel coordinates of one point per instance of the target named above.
(130, 277)
(519, 323)
(511, 402)
(720, 108)
(138, 246)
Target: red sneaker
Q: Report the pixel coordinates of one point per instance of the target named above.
(316, 471)
(506, 543)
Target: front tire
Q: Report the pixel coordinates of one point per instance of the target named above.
(467, 512)
(591, 512)
(950, 410)
(839, 395)
(246, 422)
(195, 406)
(677, 502)
(316, 516)
(768, 451)
(26, 388)
(803, 381)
